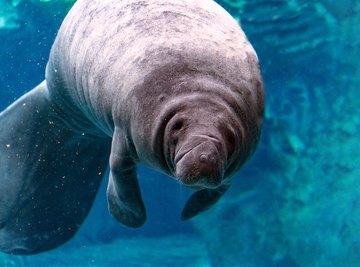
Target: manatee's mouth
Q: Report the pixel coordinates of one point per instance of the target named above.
(199, 163)
(180, 155)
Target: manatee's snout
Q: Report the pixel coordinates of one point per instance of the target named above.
(200, 165)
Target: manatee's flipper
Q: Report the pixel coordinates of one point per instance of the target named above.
(123, 192)
(201, 201)
(49, 175)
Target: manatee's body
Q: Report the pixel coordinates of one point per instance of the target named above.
(173, 84)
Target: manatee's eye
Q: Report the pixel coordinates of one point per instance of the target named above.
(177, 125)
(230, 141)
(175, 128)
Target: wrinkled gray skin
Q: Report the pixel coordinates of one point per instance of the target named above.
(173, 84)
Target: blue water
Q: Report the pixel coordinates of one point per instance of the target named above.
(295, 204)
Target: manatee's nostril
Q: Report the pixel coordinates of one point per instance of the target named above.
(203, 158)
(207, 159)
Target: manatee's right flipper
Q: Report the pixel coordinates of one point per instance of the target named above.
(123, 192)
(202, 200)
(49, 175)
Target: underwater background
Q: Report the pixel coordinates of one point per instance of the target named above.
(296, 203)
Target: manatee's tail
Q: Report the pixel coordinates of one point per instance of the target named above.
(49, 175)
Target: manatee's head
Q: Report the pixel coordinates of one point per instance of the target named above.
(204, 144)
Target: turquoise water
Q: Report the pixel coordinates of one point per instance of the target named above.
(295, 204)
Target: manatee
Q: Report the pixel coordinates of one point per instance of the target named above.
(172, 84)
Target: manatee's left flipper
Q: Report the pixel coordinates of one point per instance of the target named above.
(124, 196)
(202, 200)
(49, 175)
